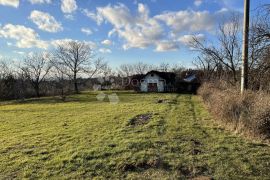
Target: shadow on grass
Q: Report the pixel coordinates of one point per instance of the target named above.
(49, 100)
(83, 97)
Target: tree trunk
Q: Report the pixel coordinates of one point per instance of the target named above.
(37, 90)
(234, 76)
(75, 84)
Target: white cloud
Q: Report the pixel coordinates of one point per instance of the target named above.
(19, 52)
(69, 16)
(9, 44)
(192, 21)
(68, 6)
(87, 31)
(187, 20)
(229, 28)
(96, 17)
(139, 31)
(25, 37)
(45, 21)
(232, 4)
(118, 15)
(107, 42)
(197, 3)
(187, 39)
(166, 46)
(40, 1)
(111, 32)
(105, 50)
(223, 10)
(13, 3)
(60, 42)
(142, 31)
(143, 11)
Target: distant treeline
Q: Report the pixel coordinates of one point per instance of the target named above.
(68, 69)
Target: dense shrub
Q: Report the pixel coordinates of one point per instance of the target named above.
(8, 89)
(249, 112)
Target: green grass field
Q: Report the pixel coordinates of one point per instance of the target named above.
(86, 138)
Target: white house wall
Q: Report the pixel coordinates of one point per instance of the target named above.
(153, 79)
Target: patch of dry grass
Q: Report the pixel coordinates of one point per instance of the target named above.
(248, 113)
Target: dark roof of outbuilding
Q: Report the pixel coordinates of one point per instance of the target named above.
(168, 76)
(190, 78)
(137, 76)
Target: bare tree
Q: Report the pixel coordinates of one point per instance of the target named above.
(36, 67)
(78, 58)
(207, 65)
(22, 83)
(165, 67)
(227, 50)
(61, 79)
(5, 68)
(177, 68)
(259, 33)
(7, 80)
(98, 66)
(107, 73)
(126, 70)
(259, 46)
(141, 68)
(262, 23)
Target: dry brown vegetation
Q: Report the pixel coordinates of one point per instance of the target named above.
(248, 114)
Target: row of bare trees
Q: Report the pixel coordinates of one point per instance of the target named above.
(126, 70)
(68, 68)
(69, 61)
(65, 65)
(221, 59)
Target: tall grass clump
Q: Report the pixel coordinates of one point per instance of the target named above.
(248, 113)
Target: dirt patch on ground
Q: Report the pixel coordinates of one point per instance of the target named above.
(140, 119)
(154, 162)
(167, 101)
(202, 178)
(195, 172)
(163, 101)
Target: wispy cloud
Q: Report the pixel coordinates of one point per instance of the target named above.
(105, 50)
(68, 6)
(45, 21)
(12, 3)
(95, 17)
(198, 2)
(25, 37)
(87, 31)
(40, 1)
(107, 42)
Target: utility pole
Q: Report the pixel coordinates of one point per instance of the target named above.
(244, 69)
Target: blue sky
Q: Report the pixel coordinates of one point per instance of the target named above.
(124, 31)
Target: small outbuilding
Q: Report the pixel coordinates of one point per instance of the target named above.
(155, 81)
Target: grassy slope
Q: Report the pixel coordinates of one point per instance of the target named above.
(86, 138)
